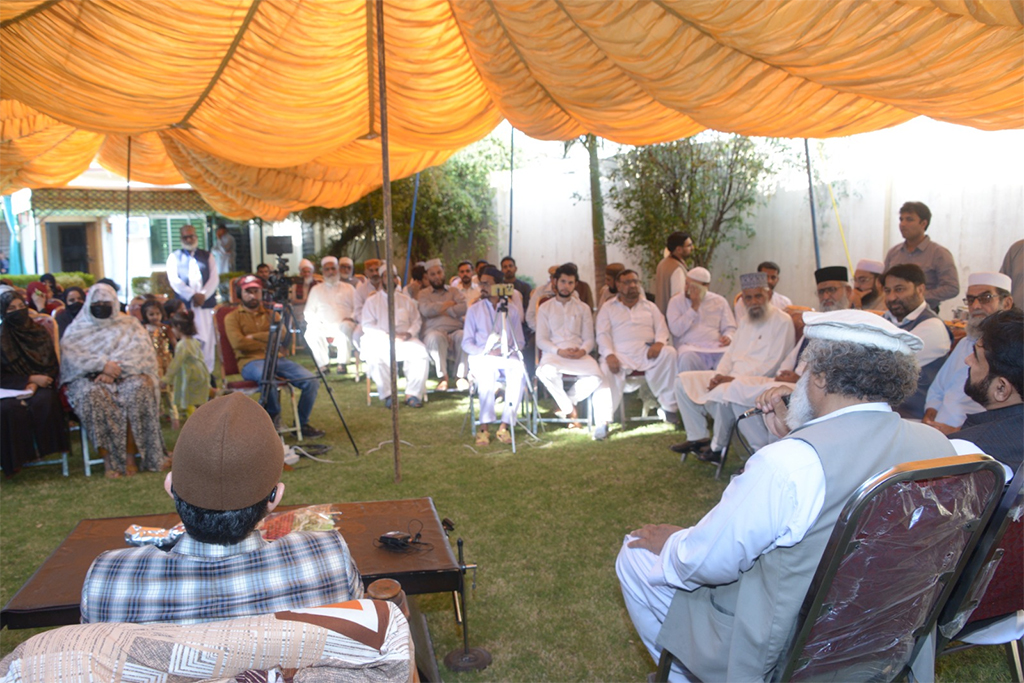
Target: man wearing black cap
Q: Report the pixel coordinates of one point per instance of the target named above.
(226, 478)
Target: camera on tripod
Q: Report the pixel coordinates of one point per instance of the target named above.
(278, 284)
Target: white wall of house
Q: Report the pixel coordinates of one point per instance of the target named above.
(972, 180)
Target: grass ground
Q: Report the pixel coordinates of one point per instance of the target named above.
(544, 525)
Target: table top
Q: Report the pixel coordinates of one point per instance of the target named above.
(51, 596)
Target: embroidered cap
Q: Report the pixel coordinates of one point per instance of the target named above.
(997, 280)
(753, 280)
(876, 267)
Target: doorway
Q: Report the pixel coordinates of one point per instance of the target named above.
(74, 247)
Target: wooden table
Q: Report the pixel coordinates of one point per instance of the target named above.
(52, 595)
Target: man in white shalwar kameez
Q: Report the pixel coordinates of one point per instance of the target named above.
(409, 350)
(701, 323)
(329, 313)
(632, 336)
(764, 336)
(443, 309)
(565, 337)
(192, 274)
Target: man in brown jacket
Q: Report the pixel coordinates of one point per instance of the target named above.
(248, 329)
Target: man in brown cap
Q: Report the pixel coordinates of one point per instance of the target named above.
(226, 478)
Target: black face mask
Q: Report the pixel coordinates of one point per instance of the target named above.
(17, 318)
(101, 310)
(74, 308)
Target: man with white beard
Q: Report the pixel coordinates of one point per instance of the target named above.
(701, 323)
(192, 274)
(738, 396)
(764, 336)
(329, 311)
(724, 595)
(946, 404)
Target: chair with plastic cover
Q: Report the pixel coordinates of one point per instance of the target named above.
(987, 604)
(894, 556)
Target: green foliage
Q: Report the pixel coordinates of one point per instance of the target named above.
(707, 186)
(65, 280)
(454, 207)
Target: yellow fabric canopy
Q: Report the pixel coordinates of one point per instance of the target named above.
(266, 107)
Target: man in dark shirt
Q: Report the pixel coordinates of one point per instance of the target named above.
(996, 381)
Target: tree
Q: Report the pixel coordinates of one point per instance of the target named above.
(707, 186)
(454, 207)
(590, 142)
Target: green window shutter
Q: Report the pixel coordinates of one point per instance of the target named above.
(158, 241)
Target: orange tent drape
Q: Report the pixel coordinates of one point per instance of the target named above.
(266, 107)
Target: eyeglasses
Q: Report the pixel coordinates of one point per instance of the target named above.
(188, 238)
(827, 291)
(983, 298)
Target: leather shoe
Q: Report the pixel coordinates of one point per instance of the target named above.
(707, 455)
(690, 446)
(311, 432)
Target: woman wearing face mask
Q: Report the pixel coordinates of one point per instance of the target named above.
(74, 299)
(31, 427)
(110, 369)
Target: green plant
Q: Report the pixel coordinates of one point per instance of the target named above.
(453, 206)
(65, 280)
(707, 186)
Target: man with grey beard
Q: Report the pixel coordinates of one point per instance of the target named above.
(946, 404)
(738, 396)
(724, 596)
(764, 336)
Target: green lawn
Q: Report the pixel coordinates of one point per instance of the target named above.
(544, 525)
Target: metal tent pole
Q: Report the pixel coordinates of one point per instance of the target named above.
(388, 277)
(810, 195)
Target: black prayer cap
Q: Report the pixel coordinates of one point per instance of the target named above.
(830, 273)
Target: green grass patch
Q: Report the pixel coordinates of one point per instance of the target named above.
(544, 525)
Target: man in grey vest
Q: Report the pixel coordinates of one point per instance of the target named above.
(192, 273)
(670, 275)
(723, 596)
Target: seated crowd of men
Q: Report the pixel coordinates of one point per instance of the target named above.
(723, 595)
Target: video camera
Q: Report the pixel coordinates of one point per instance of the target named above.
(503, 291)
(278, 284)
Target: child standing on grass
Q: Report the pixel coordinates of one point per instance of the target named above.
(187, 371)
(162, 336)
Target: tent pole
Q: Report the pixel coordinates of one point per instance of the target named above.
(127, 221)
(810, 195)
(389, 282)
(412, 224)
(511, 183)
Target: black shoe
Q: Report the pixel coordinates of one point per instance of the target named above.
(690, 446)
(671, 418)
(707, 455)
(311, 432)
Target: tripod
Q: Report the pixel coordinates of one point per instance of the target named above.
(279, 330)
(510, 351)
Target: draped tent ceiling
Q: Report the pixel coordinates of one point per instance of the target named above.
(266, 107)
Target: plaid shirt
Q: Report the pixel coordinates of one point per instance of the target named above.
(197, 582)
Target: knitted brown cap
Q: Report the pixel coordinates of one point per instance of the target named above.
(228, 455)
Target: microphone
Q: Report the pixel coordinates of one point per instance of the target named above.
(758, 411)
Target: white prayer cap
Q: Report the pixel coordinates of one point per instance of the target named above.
(328, 259)
(860, 327)
(433, 263)
(997, 280)
(876, 267)
(699, 274)
(306, 263)
(346, 261)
